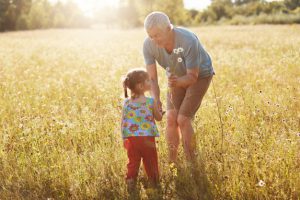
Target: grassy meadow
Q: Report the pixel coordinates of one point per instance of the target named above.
(60, 105)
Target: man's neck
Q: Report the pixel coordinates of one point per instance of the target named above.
(170, 44)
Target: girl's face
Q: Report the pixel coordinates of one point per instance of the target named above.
(147, 84)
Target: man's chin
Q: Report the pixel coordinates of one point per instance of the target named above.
(160, 45)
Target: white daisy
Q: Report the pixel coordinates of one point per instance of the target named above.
(179, 59)
(180, 49)
(168, 72)
(261, 183)
(175, 51)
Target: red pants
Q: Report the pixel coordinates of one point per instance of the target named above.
(141, 147)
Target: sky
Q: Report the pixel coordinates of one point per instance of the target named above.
(88, 6)
(196, 4)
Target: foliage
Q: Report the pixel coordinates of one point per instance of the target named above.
(221, 11)
(41, 14)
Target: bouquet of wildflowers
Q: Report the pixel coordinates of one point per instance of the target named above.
(170, 71)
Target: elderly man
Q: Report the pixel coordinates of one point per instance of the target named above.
(189, 69)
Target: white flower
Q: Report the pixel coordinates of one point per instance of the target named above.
(180, 49)
(179, 59)
(175, 51)
(168, 72)
(261, 183)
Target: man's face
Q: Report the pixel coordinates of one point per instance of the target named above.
(160, 37)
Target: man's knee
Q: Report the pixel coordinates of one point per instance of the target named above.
(183, 121)
(172, 118)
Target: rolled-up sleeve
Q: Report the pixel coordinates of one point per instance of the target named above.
(192, 55)
(148, 54)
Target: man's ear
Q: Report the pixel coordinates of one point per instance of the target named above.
(169, 28)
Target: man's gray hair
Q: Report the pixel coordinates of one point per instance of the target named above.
(157, 19)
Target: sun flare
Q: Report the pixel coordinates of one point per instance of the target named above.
(89, 7)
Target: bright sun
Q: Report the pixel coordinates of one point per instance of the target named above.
(89, 7)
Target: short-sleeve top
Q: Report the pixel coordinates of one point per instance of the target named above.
(188, 53)
(138, 119)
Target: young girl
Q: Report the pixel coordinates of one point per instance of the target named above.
(138, 127)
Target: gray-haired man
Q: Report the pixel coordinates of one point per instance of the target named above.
(189, 70)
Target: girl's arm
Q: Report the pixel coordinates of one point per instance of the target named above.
(121, 124)
(122, 118)
(156, 112)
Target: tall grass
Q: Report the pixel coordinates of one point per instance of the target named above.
(279, 18)
(60, 103)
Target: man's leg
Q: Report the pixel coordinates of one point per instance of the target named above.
(172, 134)
(188, 136)
(187, 111)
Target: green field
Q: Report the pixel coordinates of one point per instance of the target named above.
(60, 105)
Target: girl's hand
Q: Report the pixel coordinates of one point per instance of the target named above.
(157, 110)
(159, 104)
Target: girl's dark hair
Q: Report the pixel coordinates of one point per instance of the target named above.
(133, 78)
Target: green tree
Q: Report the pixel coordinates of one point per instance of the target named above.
(10, 17)
(128, 14)
(22, 6)
(4, 4)
(174, 9)
(241, 2)
(145, 6)
(292, 4)
(220, 9)
(22, 22)
(59, 19)
(39, 16)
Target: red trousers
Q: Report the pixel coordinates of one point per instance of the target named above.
(138, 148)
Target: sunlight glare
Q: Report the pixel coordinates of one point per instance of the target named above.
(89, 7)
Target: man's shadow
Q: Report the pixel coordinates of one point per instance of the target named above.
(192, 181)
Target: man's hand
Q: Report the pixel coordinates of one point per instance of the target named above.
(173, 81)
(184, 81)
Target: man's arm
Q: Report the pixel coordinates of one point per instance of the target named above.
(155, 91)
(185, 81)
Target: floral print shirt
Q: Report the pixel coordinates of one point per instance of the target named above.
(138, 119)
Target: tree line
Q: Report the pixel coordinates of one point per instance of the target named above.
(41, 14)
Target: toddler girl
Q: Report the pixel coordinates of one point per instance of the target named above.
(138, 127)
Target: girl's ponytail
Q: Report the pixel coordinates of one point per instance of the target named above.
(125, 82)
(125, 92)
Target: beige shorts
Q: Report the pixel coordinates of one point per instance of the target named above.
(187, 101)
